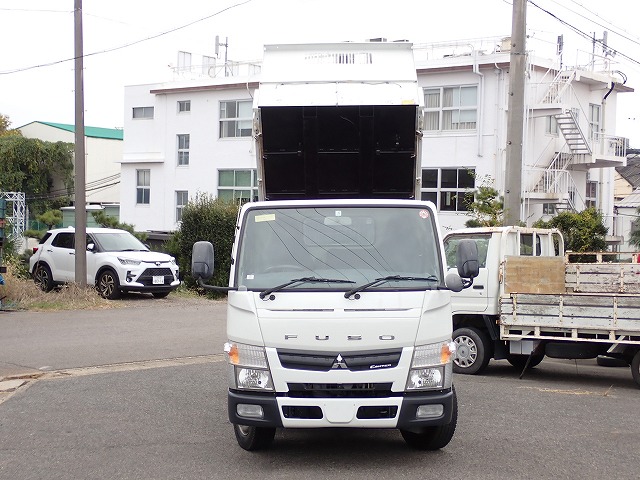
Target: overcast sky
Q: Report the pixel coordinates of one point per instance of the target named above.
(134, 41)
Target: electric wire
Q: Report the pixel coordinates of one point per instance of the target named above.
(126, 45)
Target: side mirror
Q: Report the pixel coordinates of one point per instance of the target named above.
(467, 259)
(91, 247)
(454, 283)
(202, 260)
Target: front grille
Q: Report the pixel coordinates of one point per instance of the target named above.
(339, 390)
(146, 278)
(324, 362)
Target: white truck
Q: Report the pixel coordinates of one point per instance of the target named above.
(531, 299)
(338, 300)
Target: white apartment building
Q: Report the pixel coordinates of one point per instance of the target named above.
(194, 135)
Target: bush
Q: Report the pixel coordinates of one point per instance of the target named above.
(213, 220)
(582, 232)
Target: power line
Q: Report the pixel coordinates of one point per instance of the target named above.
(126, 45)
(585, 35)
(611, 25)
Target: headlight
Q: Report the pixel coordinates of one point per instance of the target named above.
(431, 367)
(128, 261)
(248, 367)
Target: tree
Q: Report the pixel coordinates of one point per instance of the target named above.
(4, 127)
(30, 165)
(582, 232)
(486, 206)
(50, 218)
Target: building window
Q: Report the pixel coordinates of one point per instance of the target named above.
(183, 149)
(235, 119)
(238, 186)
(143, 184)
(451, 189)
(551, 125)
(451, 108)
(182, 198)
(548, 209)
(142, 112)
(594, 119)
(184, 106)
(591, 197)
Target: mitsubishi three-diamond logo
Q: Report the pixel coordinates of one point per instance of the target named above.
(339, 363)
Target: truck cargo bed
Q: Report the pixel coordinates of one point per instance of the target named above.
(589, 317)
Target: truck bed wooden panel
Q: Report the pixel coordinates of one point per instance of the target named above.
(604, 313)
(534, 274)
(603, 277)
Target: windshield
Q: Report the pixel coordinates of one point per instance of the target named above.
(355, 244)
(118, 242)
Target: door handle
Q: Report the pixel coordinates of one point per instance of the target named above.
(478, 287)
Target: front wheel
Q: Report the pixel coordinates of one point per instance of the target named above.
(433, 438)
(108, 285)
(472, 351)
(254, 438)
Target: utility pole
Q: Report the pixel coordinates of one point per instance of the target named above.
(80, 195)
(515, 115)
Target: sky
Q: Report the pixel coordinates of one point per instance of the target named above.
(137, 41)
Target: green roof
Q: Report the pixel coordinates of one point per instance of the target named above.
(95, 132)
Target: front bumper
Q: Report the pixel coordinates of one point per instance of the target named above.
(388, 412)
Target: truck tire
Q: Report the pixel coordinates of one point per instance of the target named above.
(635, 368)
(472, 351)
(254, 438)
(434, 438)
(519, 361)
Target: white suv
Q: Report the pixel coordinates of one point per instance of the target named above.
(116, 262)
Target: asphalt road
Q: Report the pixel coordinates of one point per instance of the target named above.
(139, 393)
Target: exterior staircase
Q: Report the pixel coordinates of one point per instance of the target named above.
(572, 133)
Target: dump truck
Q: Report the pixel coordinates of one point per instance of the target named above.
(339, 308)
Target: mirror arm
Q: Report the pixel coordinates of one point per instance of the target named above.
(214, 288)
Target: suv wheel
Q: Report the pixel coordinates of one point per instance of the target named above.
(42, 277)
(108, 285)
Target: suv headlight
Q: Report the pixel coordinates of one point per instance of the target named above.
(248, 367)
(431, 367)
(128, 261)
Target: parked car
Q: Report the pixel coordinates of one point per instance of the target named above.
(116, 262)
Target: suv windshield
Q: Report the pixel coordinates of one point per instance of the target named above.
(118, 242)
(355, 244)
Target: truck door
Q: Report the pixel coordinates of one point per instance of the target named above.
(474, 299)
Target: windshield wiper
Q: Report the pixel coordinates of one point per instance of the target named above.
(390, 278)
(269, 291)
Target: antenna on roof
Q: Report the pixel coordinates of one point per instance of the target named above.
(226, 48)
